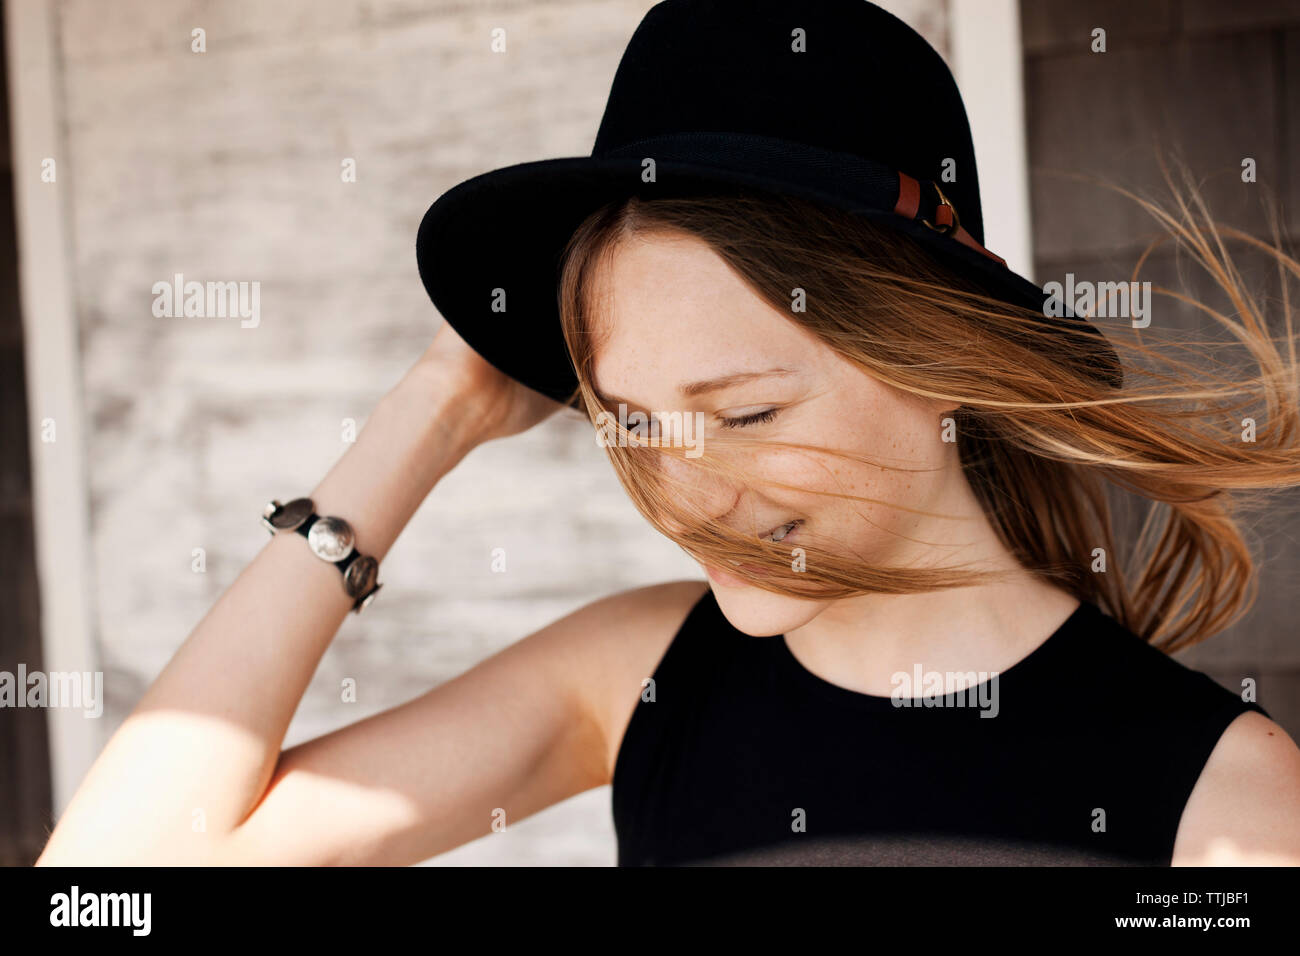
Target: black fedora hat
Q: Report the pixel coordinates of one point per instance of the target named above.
(835, 101)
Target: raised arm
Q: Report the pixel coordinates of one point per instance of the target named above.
(198, 752)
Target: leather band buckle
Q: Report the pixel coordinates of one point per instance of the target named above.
(945, 214)
(945, 221)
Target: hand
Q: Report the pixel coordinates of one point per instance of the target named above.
(503, 406)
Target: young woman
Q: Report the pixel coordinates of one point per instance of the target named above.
(925, 635)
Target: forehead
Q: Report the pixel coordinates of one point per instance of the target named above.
(671, 310)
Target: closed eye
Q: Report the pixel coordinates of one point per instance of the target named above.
(758, 418)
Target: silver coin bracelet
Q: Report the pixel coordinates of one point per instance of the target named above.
(331, 539)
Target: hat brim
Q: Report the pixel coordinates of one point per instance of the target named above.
(506, 230)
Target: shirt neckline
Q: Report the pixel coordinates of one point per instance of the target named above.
(801, 677)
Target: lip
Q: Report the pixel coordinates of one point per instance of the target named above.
(732, 581)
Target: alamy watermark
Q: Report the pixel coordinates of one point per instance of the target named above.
(53, 689)
(75, 908)
(1124, 300)
(210, 300)
(686, 430)
(920, 688)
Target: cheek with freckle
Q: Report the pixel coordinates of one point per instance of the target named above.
(868, 529)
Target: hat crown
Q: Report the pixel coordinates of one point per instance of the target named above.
(865, 83)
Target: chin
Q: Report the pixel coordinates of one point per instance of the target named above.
(760, 613)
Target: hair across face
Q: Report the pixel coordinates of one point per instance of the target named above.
(684, 333)
(846, 382)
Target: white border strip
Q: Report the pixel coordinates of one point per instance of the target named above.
(987, 61)
(53, 366)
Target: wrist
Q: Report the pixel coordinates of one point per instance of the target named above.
(445, 404)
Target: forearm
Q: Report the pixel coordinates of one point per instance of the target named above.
(203, 742)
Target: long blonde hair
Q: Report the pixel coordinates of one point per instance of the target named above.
(1052, 454)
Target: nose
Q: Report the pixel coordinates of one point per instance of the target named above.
(711, 494)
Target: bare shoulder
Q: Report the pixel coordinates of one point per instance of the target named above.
(1245, 807)
(614, 643)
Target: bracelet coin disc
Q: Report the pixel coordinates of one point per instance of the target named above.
(288, 517)
(360, 576)
(365, 601)
(330, 538)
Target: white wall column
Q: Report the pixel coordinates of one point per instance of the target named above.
(987, 59)
(53, 367)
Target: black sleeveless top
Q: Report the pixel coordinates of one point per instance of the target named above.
(744, 757)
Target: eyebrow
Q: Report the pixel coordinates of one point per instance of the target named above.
(705, 386)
